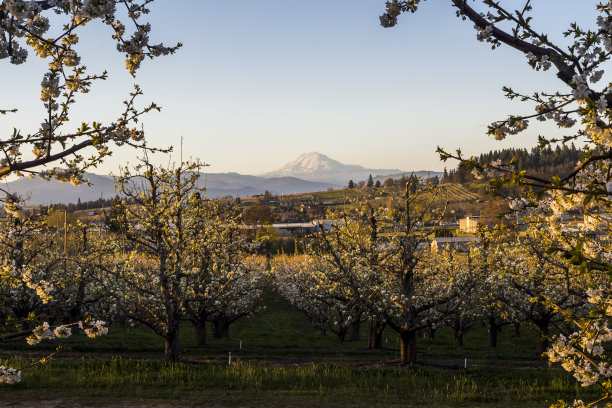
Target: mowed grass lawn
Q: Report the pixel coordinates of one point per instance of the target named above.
(283, 361)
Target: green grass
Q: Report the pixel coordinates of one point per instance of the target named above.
(328, 384)
(284, 361)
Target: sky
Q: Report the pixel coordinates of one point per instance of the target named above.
(257, 83)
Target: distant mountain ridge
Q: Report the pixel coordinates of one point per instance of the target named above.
(38, 191)
(310, 172)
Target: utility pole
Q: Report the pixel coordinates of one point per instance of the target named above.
(65, 232)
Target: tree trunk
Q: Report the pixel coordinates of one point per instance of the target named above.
(220, 329)
(25, 325)
(376, 331)
(458, 337)
(432, 333)
(354, 334)
(200, 332)
(75, 313)
(492, 331)
(217, 329)
(517, 329)
(171, 349)
(341, 332)
(408, 347)
(542, 341)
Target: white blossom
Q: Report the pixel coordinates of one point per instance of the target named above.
(9, 375)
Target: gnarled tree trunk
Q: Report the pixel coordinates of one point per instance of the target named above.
(408, 346)
(492, 331)
(171, 346)
(354, 334)
(542, 332)
(458, 337)
(200, 332)
(376, 331)
(220, 328)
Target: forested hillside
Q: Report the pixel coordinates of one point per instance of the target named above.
(545, 162)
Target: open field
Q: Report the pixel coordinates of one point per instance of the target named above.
(279, 360)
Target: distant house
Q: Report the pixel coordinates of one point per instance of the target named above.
(461, 244)
(297, 228)
(469, 224)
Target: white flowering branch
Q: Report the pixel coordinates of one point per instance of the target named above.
(23, 26)
(92, 328)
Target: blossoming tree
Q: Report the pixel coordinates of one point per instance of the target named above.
(223, 281)
(154, 216)
(32, 282)
(30, 256)
(25, 29)
(313, 289)
(538, 287)
(583, 104)
(382, 262)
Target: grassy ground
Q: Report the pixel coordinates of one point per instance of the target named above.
(243, 384)
(285, 362)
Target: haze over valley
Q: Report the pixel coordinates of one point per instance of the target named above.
(309, 172)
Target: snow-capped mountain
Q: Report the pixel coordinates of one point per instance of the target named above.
(308, 173)
(318, 167)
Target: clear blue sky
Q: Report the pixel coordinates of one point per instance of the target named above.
(259, 82)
